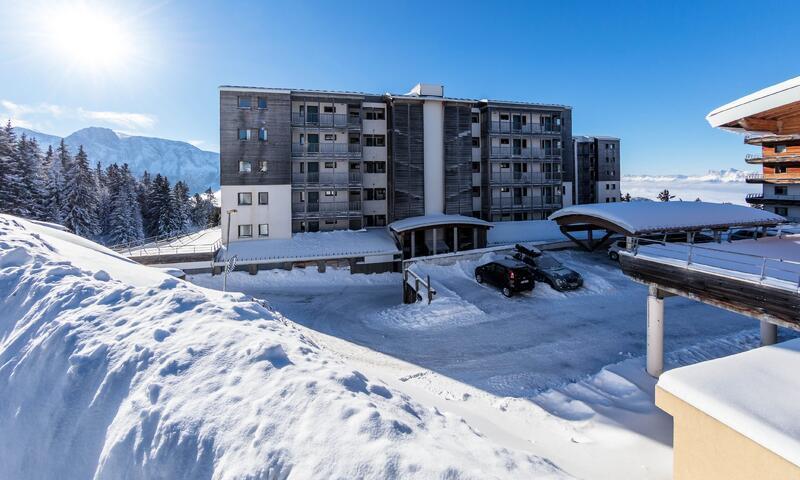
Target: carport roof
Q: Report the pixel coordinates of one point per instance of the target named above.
(638, 218)
(436, 220)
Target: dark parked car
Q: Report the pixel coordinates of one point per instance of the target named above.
(510, 275)
(545, 268)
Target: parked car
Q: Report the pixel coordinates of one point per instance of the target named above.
(615, 248)
(509, 275)
(545, 268)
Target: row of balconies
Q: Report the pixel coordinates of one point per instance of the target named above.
(525, 177)
(326, 178)
(519, 152)
(316, 209)
(326, 120)
(524, 202)
(757, 158)
(351, 150)
(772, 199)
(773, 178)
(508, 126)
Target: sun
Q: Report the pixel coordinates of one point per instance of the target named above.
(87, 37)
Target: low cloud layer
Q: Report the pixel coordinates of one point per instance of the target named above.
(39, 116)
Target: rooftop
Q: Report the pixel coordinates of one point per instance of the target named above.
(424, 221)
(763, 109)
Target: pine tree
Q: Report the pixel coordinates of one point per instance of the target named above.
(9, 174)
(183, 207)
(144, 189)
(125, 220)
(51, 187)
(203, 209)
(162, 211)
(104, 195)
(28, 189)
(80, 197)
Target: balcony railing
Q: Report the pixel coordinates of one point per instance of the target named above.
(326, 178)
(522, 203)
(772, 198)
(525, 177)
(757, 158)
(519, 152)
(319, 149)
(325, 120)
(507, 126)
(773, 178)
(312, 209)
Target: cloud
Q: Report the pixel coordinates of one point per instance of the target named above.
(33, 115)
(196, 143)
(130, 121)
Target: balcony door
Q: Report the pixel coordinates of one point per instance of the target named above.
(313, 174)
(312, 114)
(516, 122)
(313, 201)
(313, 142)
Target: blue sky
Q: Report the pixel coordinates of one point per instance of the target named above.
(647, 72)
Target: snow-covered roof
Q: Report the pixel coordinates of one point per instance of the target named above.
(525, 231)
(311, 246)
(756, 393)
(768, 98)
(636, 218)
(423, 221)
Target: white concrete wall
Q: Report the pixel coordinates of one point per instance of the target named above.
(433, 136)
(278, 214)
(566, 197)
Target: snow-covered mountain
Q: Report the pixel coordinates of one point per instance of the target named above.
(177, 160)
(712, 176)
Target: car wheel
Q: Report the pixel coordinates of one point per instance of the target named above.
(507, 292)
(614, 256)
(479, 278)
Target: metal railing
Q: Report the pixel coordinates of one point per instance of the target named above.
(755, 197)
(328, 148)
(772, 177)
(318, 208)
(518, 152)
(516, 203)
(525, 177)
(326, 178)
(158, 240)
(508, 126)
(778, 158)
(325, 120)
(756, 268)
(418, 284)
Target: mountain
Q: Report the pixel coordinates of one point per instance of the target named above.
(177, 160)
(713, 176)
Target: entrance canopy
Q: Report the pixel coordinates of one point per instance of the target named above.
(435, 234)
(775, 109)
(633, 219)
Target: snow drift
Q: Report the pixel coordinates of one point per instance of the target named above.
(109, 369)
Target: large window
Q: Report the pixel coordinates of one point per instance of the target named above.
(263, 198)
(375, 194)
(245, 166)
(781, 190)
(263, 230)
(262, 134)
(476, 142)
(245, 231)
(374, 140)
(375, 167)
(374, 114)
(263, 166)
(780, 148)
(244, 134)
(262, 103)
(245, 198)
(244, 102)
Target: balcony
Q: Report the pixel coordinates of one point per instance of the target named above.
(325, 120)
(347, 150)
(519, 152)
(757, 159)
(773, 178)
(507, 126)
(524, 203)
(326, 178)
(528, 178)
(326, 209)
(772, 199)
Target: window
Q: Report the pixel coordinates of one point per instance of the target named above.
(505, 165)
(262, 134)
(780, 148)
(330, 222)
(263, 198)
(476, 167)
(780, 169)
(782, 211)
(245, 167)
(476, 118)
(781, 190)
(263, 166)
(245, 231)
(504, 141)
(374, 194)
(244, 134)
(380, 194)
(244, 102)
(607, 200)
(608, 186)
(263, 230)
(374, 140)
(375, 167)
(504, 190)
(262, 103)
(329, 137)
(330, 193)
(330, 164)
(476, 191)
(374, 114)
(476, 142)
(503, 117)
(327, 109)
(245, 198)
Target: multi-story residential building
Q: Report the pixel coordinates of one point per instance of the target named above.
(771, 120)
(306, 160)
(594, 175)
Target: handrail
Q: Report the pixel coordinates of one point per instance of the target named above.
(772, 196)
(419, 281)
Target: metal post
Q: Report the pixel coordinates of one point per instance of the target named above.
(455, 239)
(430, 296)
(769, 333)
(655, 332)
(434, 241)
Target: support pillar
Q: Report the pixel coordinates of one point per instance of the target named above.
(413, 243)
(769, 333)
(455, 239)
(655, 332)
(434, 240)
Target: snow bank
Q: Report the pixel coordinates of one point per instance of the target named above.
(113, 370)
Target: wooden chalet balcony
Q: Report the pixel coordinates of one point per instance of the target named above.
(772, 199)
(773, 178)
(758, 159)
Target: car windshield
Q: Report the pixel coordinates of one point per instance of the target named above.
(547, 262)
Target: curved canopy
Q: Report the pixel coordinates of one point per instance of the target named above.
(639, 218)
(425, 221)
(772, 109)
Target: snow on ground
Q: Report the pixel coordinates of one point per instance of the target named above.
(557, 374)
(202, 241)
(109, 369)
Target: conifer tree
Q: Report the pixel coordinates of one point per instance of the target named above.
(180, 194)
(9, 174)
(162, 211)
(51, 188)
(80, 197)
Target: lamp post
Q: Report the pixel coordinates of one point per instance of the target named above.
(228, 234)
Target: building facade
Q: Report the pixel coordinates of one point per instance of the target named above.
(305, 160)
(779, 162)
(594, 175)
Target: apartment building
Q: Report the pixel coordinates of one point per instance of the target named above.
(305, 160)
(594, 176)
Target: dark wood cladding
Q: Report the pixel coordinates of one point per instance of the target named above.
(276, 118)
(741, 296)
(458, 159)
(406, 161)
